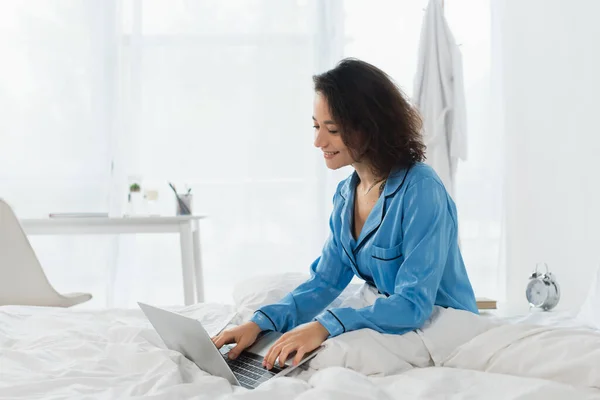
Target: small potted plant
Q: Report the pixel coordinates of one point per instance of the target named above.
(135, 199)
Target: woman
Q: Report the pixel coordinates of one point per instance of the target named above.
(393, 224)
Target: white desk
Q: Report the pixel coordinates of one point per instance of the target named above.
(187, 226)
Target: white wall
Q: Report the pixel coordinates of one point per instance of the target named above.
(549, 54)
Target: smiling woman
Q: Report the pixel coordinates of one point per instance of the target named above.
(327, 136)
(401, 239)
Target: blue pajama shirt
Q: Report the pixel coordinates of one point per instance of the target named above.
(408, 249)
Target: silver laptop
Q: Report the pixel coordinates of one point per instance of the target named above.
(188, 337)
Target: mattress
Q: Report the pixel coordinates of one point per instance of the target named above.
(48, 353)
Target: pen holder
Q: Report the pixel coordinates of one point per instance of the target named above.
(187, 199)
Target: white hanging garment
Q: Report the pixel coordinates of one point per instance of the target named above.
(439, 95)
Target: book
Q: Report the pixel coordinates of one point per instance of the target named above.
(485, 304)
(79, 215)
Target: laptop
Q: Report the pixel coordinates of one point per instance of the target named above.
(188, 337)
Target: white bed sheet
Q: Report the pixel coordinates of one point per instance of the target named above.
(48, 353)
(115, 354)
(439, 383)
(554, 318)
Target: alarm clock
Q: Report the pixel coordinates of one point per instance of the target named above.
(542, 290)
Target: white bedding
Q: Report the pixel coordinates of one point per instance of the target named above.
(115, 354)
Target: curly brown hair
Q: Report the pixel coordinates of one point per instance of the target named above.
(378, 123)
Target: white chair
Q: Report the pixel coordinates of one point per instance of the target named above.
(22, 279)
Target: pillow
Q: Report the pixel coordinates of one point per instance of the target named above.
(251, 294)
(590, 310)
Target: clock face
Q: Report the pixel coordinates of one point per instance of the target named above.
(537, 293)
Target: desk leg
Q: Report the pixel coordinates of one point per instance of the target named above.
(112, 272)
(187, 261)
(198, 264)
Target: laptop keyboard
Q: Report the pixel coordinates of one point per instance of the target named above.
(248, 369)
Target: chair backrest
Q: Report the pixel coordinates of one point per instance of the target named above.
(22, 279)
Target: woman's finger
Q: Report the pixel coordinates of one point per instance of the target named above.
(234, 353)
(285, 352)
(272, 356)
(224, 338)
(299, 355)
(264, 363)
(277, 343)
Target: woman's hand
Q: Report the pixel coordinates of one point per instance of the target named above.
(244, 335)
(301, 340)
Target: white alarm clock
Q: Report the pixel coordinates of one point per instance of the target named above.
(542, 290)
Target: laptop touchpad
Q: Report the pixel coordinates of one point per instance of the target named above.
(263, 344)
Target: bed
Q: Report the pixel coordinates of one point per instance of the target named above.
(54, 353)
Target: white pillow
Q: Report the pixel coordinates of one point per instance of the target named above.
(590, 310)
(253, 293)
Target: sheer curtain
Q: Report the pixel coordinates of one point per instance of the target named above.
(210, 95)
(220, 100)
(54, 146)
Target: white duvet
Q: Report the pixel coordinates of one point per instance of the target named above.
(115, 354)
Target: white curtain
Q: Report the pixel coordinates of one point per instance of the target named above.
(54, 141)
(216, 96)
(546, 58)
